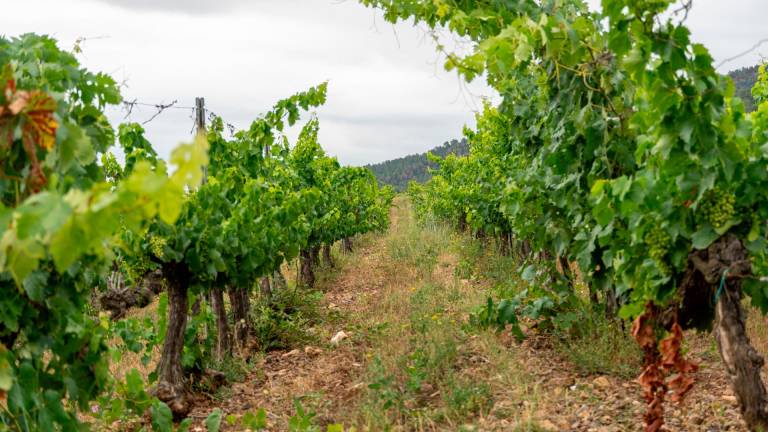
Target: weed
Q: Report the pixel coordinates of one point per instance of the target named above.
(385, 393)
(593, 343)
(283, 321)
(419, 247)
(234, 368)
(467, 399)
(302, 421)
(596, 345)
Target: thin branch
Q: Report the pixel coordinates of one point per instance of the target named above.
(160, 109)
(172, 105)
(685, 7)
(738, 56)
(129, 108)
(230, 127)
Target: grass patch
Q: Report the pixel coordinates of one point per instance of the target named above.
(468, 399)
(234, 368)
(419, 246)
(418, 382)
(597, 345)
(583, 335)
(415, 378)
(284, 321)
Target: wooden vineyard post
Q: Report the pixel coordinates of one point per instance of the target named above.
(200, 126)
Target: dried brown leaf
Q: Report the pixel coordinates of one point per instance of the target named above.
(680, 384)
(642, 329)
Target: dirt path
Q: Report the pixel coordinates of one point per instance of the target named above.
(411, 363)
(324, 377)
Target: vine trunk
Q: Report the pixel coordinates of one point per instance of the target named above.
(171, 387)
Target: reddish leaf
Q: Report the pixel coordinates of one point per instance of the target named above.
(651, 379)
(642, 330)
(34, 112)
(17, 102)
(680, 384)
(654, 416)
(670, 347)
(40, 124)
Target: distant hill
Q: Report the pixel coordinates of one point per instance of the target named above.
(745, 79)
(398, 172)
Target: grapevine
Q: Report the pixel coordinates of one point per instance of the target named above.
(71, 220)
(60, 227)
(616, 146)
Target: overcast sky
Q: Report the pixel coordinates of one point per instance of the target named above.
(388, 94)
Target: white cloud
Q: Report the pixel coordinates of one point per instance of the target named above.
(388, 94)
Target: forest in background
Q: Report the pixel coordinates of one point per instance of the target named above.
(398, 172)
(744, 79)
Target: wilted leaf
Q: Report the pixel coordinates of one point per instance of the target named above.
(642, 330)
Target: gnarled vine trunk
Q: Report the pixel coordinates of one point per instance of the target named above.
(462, 222)
(315, 256)
(307, 273)
(726, 263)
(265, 287)
(238, 299)
(504, 244)
(611, 303)
(526, 250)
(327, 256)
(223, 339)
(346, 245)
(565, 267)
(742, 362)
(119, 298)
(171, 387)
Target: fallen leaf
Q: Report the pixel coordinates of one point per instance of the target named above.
(338, 337)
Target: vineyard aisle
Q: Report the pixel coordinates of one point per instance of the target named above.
(411, 361)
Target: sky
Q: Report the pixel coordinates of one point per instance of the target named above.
(388, 94)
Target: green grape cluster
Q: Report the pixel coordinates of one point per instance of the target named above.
(204, 236)
(717, 207)
(658, 241)
(157, 245)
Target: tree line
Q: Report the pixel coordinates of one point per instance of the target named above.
(416, 167)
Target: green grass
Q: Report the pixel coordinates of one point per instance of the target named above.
(283, 322)
(403, 386)
(418, 380)
(419, 246)
(467, 398)
(593, 343)
(597, 345)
